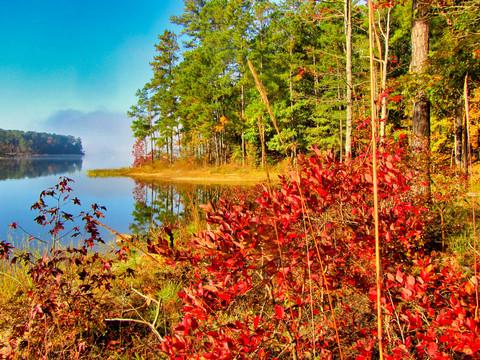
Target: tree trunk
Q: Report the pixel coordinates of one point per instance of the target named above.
(339, 98)
(421, 105)
(262, 140)
(243, 127)
(420, 48)
(243, 146)
(171, 147)
(167, 147)
(151, 148)
(465, 146)
(348, 41)
(315, 76)
(217, 150)
(386, 37)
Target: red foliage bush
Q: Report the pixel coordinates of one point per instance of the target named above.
(292, 275)
(61, 313)
(139, 153)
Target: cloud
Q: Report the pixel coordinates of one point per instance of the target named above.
(101, 132)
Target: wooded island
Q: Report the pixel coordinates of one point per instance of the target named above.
(15, 142)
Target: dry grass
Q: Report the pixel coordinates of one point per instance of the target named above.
(188, 172)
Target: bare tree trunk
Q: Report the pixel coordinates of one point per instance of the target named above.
(243, 146)
(243, 128)
(315, 76)
(171, 147)
(348, 40)
(339, 98)
(386, 37)
(465, 146)
(467, 127)
(262, 140)
(224, 147)
(167, 147)
(421, 106)
(217, 150)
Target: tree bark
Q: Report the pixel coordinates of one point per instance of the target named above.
(420, 48)
(421, 106)
(465, 147)
(386, 37)
(171, 147)
(243, 127)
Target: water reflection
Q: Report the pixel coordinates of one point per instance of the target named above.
(38, 166)
(161, 204)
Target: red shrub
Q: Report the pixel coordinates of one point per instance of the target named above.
(292, 274)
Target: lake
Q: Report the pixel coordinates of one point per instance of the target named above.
(131, 206)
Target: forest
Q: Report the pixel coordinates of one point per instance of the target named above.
(15, 142)
(311, 60)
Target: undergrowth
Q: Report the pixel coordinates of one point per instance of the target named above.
(275, 273)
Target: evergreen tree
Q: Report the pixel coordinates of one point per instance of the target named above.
(163, 92)
(145, 114)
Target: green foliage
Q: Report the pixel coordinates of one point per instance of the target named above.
(209, 107)
(15, 142)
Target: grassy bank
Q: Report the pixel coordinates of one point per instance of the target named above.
(184, 171)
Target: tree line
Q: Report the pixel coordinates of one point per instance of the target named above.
(256, 79)
(15, 142)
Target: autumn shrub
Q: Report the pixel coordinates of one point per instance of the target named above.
(59, 313)
(292, 274)
(140, 153)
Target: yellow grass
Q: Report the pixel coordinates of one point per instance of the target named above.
(192, 173)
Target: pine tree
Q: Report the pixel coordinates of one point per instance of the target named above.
(162, 86)
(145, 114)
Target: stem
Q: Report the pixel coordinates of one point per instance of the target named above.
(140, 322)
(375, 185)
(263, 94)
(467, 120)
(322, 268)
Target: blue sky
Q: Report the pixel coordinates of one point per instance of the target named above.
(73, 66)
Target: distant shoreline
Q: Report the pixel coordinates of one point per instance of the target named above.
(18, 155)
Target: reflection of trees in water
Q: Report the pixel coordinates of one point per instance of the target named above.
(161, 204)
(32, 167)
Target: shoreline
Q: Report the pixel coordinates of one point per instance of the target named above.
(16, 156)
(227, 175)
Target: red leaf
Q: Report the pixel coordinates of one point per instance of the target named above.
(279, 311)
(399, 276)
(256, 320)
(13, 225)
(406, 294)
(369, 178)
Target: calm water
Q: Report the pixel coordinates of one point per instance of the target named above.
(132, 207)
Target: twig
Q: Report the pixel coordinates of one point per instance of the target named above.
(145, 296)
(125, 238)
(263, 94)
(139, 322)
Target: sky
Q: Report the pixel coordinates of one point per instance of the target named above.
(73, 67)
